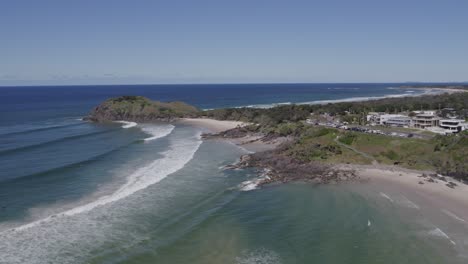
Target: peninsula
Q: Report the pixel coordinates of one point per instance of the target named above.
(322, 143)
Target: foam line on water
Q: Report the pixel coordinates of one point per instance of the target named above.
(180, 152)
(386, 196)
(447, 212)
(157, 131)
(240, 147)
(408, 203)
(439, 233)
(126, 124)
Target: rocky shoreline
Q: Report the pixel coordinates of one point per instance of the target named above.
(275, 167)
(278, 168)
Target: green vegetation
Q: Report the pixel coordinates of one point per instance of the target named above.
(318, 144)
(138, 108)
(265, 117)
(447, 155)
(347, 138)
(352, 112)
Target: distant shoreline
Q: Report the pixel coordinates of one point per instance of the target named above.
(429, 91)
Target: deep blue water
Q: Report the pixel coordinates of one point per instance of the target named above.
(31, 104)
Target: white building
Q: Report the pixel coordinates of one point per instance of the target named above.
(395, 120)
(425, 119)
(453, 125)
(374, 117)
(388, 119)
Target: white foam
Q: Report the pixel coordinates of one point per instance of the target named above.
(126, 124)
(386, 196)
(447, 212)
(259, 256)
(253, 184)
(179, 153)
(249, 185)
(157, 131)
(439, 233)
(368, 223)
(265, 106)
(406, 202)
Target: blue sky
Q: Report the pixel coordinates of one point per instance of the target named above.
(111, 42)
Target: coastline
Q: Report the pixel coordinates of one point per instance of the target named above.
(439, 89)
(426, 184)
(427, 91)
(252, 143)
(433, 188)
(214, 126)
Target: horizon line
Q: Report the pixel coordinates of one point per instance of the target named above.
(240, 83)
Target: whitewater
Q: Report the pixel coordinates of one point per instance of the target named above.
(180, 152)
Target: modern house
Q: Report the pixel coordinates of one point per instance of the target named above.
(425, 119)
(374, 117)
(428, 120)
(453, 125)
(395, 120)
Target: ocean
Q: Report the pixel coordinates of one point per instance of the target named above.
(78, 192)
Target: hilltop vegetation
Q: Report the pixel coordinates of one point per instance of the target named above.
(140, 109)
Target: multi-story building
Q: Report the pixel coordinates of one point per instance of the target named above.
(425, 119)
(453, 125)
(395, 120)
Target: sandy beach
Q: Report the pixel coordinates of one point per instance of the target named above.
(431, 190)
(214, 126)
(436, 189)
(420, 196)
(252, 143)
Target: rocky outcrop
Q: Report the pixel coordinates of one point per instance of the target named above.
(139, 109)
(280, 168)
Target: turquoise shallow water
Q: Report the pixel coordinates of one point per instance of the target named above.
(76, 192)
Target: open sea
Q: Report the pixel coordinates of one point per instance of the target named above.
(78, 192)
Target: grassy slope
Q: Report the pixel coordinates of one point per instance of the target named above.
(448, 154)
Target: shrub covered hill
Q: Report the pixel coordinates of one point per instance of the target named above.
(139, 109)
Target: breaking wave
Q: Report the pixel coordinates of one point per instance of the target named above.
(127, 124)
(157, 131)
(180, 152)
